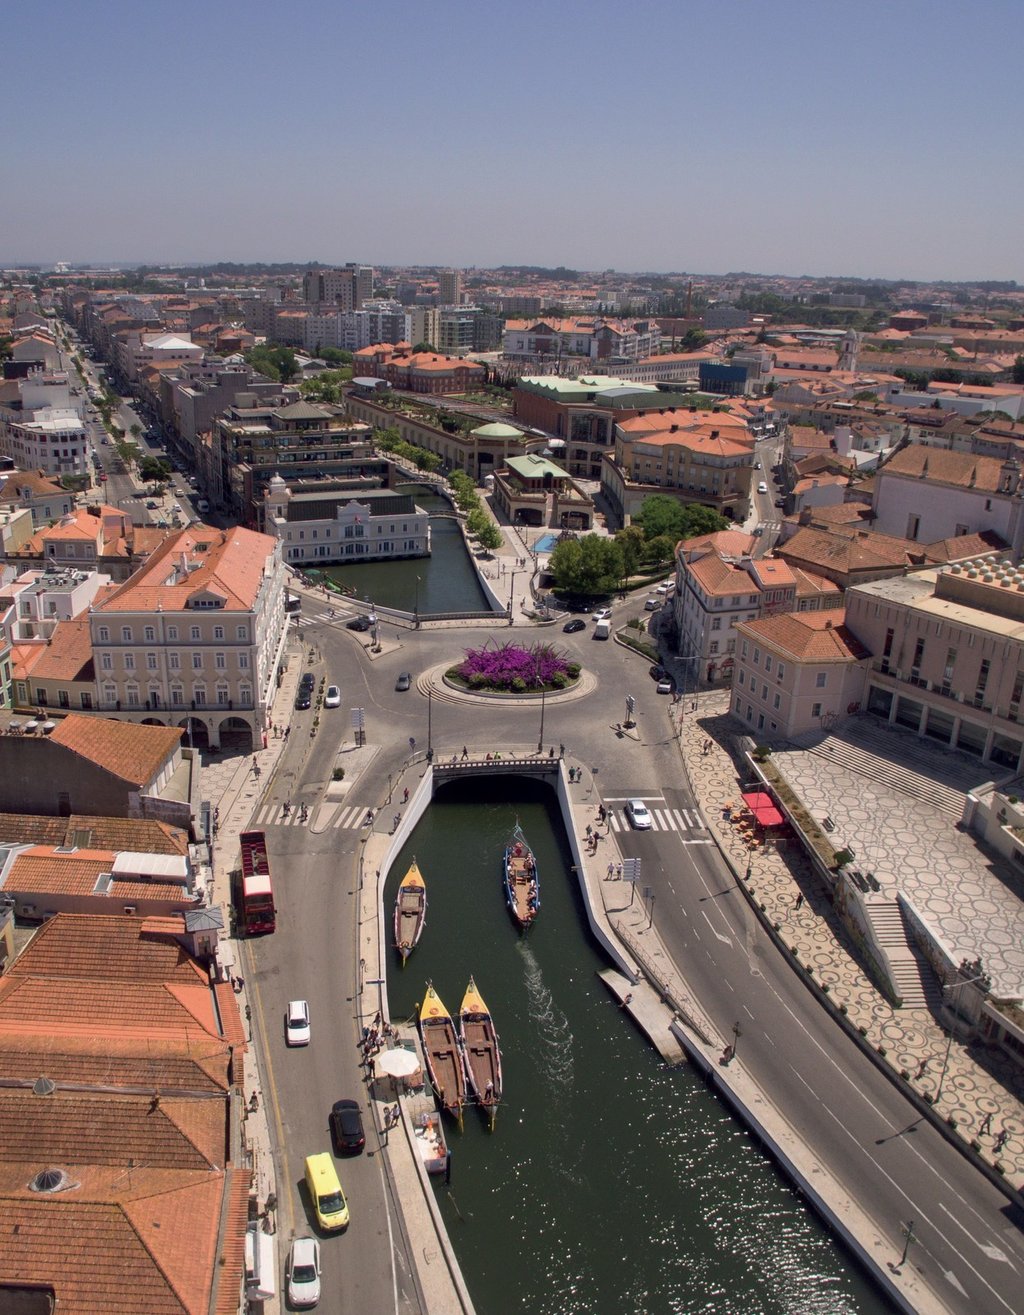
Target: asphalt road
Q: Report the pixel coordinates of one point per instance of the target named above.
(856, 1122)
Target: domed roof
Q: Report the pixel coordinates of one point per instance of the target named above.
(498, 430)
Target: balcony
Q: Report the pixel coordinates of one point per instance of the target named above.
(171, 706)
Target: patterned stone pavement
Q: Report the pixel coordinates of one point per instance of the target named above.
(981, 1095)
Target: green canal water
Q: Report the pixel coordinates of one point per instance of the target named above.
(612, 1185)
(446, 581)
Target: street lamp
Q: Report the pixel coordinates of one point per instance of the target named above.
(511, 596)
(540, 741)
(416, 606)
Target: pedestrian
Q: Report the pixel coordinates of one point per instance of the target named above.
(405, 795)
(254, 1103)
(611, 871)
(396, 1113)
(590, 830)
(551, 752)
(618, 872)
(986, 1124)
(627, 999)
(465, 752)
(561, 751)
(799, 900)
(1001, 1140)
(371, 1068)
(395, 822)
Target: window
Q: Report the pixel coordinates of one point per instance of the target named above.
(126, 634)
(172, 632)
(219, 661)
(716, 623)
(913, 526)
(194, 633)
(821, 679)
(149, 634)
(104, 634)
(151, 662)
(768, 663)
(243, 661)
(777, 701)
(781, 671)
(245, 694)
(218, 632)
(129, 662)
(764, 692)
(743, 649)
(242, 633)
(173, 661)
(197, 661)
(106, 662)
(757, 657)
(815, 709)
(86, 702)
(741, 679)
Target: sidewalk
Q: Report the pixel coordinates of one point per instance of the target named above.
(797, 906)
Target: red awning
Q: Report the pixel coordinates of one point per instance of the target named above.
(765, 812)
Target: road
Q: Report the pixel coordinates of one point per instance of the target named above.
(855, 1121)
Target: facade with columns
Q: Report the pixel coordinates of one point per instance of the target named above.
(947, 650)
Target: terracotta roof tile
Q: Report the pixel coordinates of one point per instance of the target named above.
(136, 834)
(132, 753)
(807, 636)
(945, 467)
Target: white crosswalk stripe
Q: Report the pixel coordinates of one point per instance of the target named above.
(343, 817)
(662, 819)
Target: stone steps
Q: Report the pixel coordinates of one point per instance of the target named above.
(910, 973)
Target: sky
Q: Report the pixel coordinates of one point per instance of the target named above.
(867, 138)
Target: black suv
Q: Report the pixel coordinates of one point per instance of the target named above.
(347, 1127)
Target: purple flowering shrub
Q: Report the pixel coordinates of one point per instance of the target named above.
(516, 669)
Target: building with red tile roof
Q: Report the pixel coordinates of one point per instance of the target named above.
(142, 1060)
(928, 494)
(96, 537)
(797, 672)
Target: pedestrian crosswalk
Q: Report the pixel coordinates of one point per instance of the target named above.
(302, 622)
(321, 816)
(663, 819)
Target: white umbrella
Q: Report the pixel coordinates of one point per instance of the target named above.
(398, 1063)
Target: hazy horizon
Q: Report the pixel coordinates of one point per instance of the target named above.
(674, 138)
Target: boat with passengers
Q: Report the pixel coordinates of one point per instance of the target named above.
(522, 882)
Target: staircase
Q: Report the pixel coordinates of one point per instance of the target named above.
(901, 761)
(910, 974)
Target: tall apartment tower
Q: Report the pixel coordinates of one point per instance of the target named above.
(345, 288)
(450, 287)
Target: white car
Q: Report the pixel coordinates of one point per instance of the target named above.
(304, 1272)
(602, 614)
(762, 487)
(297, 1031)
(652, 604)
(665, 588)
(639, 817)
(332, 699)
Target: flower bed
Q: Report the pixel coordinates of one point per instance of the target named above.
(512, 669)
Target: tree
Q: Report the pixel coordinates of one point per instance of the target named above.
(660, 549)
(660, 514)
(698, 519)
(1017, 373)
(490, 536)
(135, 431)
(335, 356)
(424, 347)
(631, 543)
(692, 340)
(590, 566)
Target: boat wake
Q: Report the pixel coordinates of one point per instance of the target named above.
(554, 1037)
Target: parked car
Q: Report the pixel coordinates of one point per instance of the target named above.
(347, 1127)
(403, 682)
(639, 817)
(602, 614)
(666, 685)
(657, 672)
(332, 699)
(151, 505)
(359, 623)
(308, 680)
(780, 503)
(762, 487)
(573, 626)
(652, 604)
(303, 698)
(297, 1030)
(664, 588)
(304, 1272)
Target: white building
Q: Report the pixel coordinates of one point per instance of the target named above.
(42, 599)
(52, 440)
(328, 524)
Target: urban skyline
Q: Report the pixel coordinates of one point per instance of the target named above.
(735, 139)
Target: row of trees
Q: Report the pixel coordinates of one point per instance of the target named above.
(594, 565)
(478, 522)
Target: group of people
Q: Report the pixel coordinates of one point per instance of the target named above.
(575, 774)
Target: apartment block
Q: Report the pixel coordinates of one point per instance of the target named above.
(322, 523)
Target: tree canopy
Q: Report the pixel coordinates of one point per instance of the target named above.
(277, 363)
(661, 515)
(590, 566)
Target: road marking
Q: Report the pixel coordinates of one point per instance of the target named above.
(993, 1252)
(719, 934)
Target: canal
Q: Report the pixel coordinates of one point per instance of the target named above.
(446, 581)
(612, 1183)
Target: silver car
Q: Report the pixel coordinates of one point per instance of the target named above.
(304, 1272)
(639, 815)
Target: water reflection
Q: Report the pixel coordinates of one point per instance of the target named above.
(611, 1183)
(446, 581)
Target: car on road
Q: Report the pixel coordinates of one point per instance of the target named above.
(297, 1031)
(573, 626)
(303, 698)
(325, 1193)
(762, 487)
(103, 475)
(652, 604)
(175, 507)
(303, 1272)
(666, 587)
(666, 685)
(347, 1127)
(780, 503)
(202, 505)
(151, 505)
(359, 623)
(639, 817)
(657, 672)
(403, 682)
(308, 680)
(602, 614)
(332, 699)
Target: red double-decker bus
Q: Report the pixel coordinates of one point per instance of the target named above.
(255, 909)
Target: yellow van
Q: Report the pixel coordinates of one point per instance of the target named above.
(325, 1192)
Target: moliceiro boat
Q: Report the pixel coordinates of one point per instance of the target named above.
(410, 911)
(481, 1053)
(441, 1053)
(522, 883)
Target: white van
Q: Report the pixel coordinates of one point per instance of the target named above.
(602, 630)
